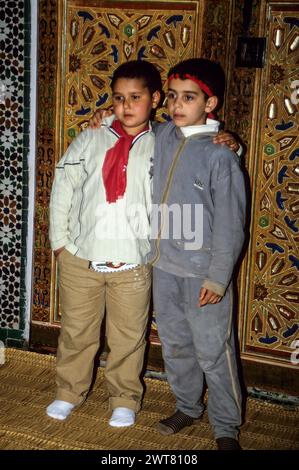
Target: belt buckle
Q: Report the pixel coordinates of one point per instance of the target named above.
(112, 265)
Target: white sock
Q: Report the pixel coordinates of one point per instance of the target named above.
(122, 417)
(59, 409)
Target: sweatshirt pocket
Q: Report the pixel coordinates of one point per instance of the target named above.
(201, 260)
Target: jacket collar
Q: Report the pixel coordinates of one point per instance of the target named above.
(199, 135)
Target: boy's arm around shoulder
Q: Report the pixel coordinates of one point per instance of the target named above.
(67, 178)
(229, 196)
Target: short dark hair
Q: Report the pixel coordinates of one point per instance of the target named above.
(139, 69)
(209, 72)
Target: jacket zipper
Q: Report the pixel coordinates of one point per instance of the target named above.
(165, 197)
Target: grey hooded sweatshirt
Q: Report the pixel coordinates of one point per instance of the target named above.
(199, 205)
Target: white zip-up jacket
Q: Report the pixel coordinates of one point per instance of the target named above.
(80, 218)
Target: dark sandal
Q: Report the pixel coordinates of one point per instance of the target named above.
(175, 423)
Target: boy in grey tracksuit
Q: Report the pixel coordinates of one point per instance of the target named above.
(198, 221)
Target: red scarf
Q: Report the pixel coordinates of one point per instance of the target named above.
(114, 169)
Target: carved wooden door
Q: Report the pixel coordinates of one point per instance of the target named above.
(269, 323)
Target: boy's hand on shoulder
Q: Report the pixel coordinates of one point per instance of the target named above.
(207, 296)
(97, 118)
(225, 138)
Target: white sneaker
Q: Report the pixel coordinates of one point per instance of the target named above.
(59, 409)
(122, 417)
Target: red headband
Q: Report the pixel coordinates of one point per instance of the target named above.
(194, 79)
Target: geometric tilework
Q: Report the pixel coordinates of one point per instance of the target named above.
(14, 124)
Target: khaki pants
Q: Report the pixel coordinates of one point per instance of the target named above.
(83, 296)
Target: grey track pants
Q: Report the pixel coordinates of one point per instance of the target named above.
(198, 343)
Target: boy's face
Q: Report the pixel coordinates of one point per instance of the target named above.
(133, 103)
(187, 104)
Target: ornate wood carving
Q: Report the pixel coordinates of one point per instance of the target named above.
(270, 295)
(99, 37)
(45, 162)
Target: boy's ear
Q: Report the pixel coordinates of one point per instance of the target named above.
(156, 97)
(211, 104)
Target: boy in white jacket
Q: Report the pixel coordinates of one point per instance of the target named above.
(99, 232)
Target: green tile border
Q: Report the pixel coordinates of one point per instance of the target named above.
(3, 334)
(15, 343)
(13, 338)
